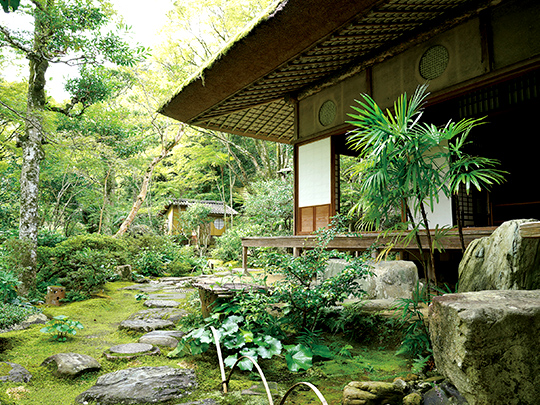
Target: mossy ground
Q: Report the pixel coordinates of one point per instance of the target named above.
(101, 316)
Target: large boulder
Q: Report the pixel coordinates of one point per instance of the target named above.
(486, 343)
(372, 393)
(71, 364)
(141, 385)
(390, 280)
(13, 372)
(502, 261)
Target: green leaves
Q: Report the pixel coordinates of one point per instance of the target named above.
(233, 334)
(8, 286)
(298, 357)
(62, 326)
(10, 4)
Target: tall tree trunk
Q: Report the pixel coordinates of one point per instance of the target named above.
(32, 155)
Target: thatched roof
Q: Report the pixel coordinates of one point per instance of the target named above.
(216, 207)
(298, 48)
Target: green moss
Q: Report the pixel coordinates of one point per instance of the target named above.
(101, 316)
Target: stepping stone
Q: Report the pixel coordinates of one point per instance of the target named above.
(174, 296)
(147, 288)
(141, 385)
(165, 341)
(177, 334)
(170, 314)
(13, 372)
(131, 351)
(145, 325)
(161, 304)
(71, 364)
(167, 338)
(176, 288)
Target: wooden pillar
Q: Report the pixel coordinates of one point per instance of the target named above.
(244, 258)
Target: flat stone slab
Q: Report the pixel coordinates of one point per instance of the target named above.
(177, 334)
(144, 287)
(177, 289)
(161, 303)
(141, 385)
(171, 314)
(164, 296)
(71, 364)
(13, 372)
(130, 351)
(145, 325)
(131, 348)
(165, 341)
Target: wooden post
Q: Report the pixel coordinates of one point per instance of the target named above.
(244, 258)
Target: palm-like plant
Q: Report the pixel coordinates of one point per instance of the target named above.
(406, 163)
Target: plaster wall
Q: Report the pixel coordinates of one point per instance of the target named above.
(441, 214)
(342, 94)
(401, 73)
(314, 183)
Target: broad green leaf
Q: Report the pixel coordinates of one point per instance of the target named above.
(321, 351)
(298, 358)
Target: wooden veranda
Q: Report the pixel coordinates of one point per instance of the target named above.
(365, 240)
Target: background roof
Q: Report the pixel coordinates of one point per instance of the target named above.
(299, 48)
(216, 207)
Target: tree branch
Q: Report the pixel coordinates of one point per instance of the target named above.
(13, 42)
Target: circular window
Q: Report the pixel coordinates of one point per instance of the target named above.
(219, 223)
(434, 62)
(327, 113)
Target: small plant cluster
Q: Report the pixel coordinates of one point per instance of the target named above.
(416, 343)
(304, 290)
(13, 309)
(235, 339)
(62, 326)
(11, 314)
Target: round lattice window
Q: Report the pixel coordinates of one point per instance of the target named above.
(327, 113)
(219, 223)
(434, 62)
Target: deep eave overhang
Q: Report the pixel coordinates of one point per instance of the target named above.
(300, 48)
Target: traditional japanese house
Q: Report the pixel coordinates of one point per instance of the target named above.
(293, 75)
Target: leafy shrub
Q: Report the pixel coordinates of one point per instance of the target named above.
(62, 326)
(8, 286)
(229, 245)
(185, 262)
(11, 314)
(362, 327)
(303, 290)
(150, 263)
(81, 264)
(416, 343)
(50, 239)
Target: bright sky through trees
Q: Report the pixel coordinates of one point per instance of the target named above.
(145, 22)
